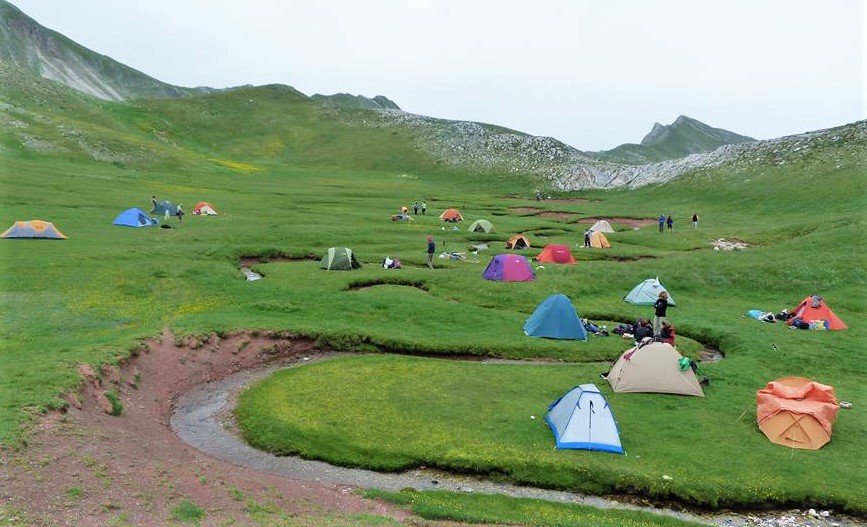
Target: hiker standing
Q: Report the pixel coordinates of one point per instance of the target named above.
(587, 238)
(431, 249)
(670, 222)
(415, 208)
(661, 223)
(154, 203)
(659, 307)
(695, 220)
(423, 208)
(180, 213)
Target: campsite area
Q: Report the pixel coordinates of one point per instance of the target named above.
(107, 312)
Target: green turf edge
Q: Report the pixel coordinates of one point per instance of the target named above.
(497, 509)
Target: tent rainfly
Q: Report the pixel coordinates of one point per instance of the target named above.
(813, 310)
(582, 419)
(509, 268)
(134, 217)
(518, 241)
(796, 412)
(33, 229)
(653, 368)
(646, 293)
(555, 318)
(599, 241)
(203, 208)
(339, 259)
(556, 254)
(451, 216)
(481, 226)
(601, 226)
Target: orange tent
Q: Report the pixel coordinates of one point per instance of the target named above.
(204, 208)
(556, 254)
(599, 241)
(452, 215)
(796, 412)
(518, 241)
(33, 229)
(812, 309)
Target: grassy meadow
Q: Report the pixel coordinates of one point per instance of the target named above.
(289, 179)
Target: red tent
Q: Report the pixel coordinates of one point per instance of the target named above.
(814, 308)
(556, 254)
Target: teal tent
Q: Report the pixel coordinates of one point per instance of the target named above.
(646, 293)
(555, 318)
(165, 206)
(339, 259)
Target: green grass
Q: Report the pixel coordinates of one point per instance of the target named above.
(91, 298)
(187, 512)
(494, 509)
(395, 413)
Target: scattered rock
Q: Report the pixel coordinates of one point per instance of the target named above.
(728, 245)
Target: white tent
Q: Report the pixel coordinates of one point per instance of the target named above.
(601, 226)
(582, 420)
(646, 293)
(653, 368)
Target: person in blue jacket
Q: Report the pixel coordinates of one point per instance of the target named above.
(431, 249)
(661, 222)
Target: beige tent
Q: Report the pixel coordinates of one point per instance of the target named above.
(601, 226)
(599, 241)
(654, 368)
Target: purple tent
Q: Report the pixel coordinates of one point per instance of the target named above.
(509, 268)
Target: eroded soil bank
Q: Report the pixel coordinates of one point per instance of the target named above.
(88, 468)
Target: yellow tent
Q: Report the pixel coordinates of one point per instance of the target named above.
(599, 241)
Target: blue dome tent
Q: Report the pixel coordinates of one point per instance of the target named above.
(134, 218)
(555, 318)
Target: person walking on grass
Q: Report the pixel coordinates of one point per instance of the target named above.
(661, 223)
(415, 208)
(154, 202)
(670, 222)
(695, 220)
(431, 249)
(180, 213)
(659, 307)
(423, 208)
(587, 238)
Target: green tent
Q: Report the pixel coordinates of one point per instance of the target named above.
(339, 258)
(481, 226)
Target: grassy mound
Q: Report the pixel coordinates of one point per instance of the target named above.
(394, 413)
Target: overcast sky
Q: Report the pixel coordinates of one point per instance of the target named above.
(593, 73)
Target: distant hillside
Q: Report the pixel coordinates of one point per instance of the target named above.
(683, 137)
(345, 100)
(27, 44)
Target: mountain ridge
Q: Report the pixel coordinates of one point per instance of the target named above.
(683, 137)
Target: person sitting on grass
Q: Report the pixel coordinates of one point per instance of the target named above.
(642, 330)
(666, 334)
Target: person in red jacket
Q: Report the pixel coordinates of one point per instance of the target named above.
(667, 333)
